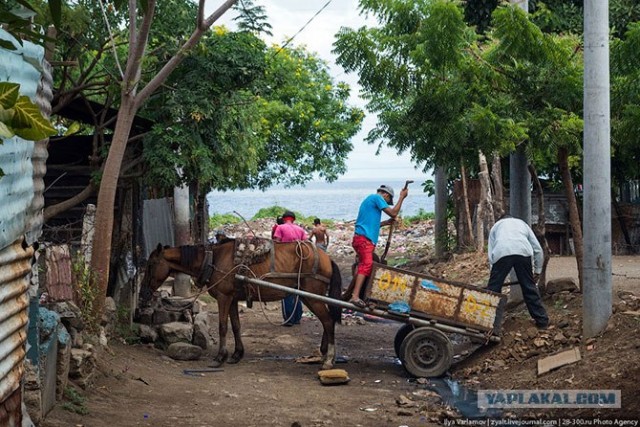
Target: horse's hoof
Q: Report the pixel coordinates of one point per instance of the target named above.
(216, 364)
(235, 358)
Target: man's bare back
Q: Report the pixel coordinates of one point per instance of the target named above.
(319, 234)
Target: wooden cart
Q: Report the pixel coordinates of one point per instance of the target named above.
(437, 307)
(447, 306)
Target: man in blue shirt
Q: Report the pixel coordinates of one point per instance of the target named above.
(512, 244)
(367, 232)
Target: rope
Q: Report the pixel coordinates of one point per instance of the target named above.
(204, 289)
(302, 258)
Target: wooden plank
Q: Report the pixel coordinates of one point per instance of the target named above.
(557, 360)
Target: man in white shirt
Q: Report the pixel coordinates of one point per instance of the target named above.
(512, 244)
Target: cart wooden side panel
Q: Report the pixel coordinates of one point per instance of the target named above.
(448, 302)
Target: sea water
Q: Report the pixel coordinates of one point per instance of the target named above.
(339, 200)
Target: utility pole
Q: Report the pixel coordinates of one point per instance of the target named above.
(182, 282)
(519, 182)
(597, 299)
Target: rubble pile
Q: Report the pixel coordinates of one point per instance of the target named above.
(411, 240)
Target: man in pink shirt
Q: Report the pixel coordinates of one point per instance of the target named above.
(290, 232)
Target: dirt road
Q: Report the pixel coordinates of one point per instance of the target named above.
(139, 386)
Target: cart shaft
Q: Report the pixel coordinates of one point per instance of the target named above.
(376, 312)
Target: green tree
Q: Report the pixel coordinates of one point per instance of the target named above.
(133, 94)
(542, 75)
(279, 108)
(625, 106)
(562, 16)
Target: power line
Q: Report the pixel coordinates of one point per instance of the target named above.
(303, 27)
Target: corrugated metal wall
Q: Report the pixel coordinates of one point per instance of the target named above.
(21, 198)
(157, 224)
(23, 162)
(15, 267)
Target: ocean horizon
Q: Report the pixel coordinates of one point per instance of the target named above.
(339, 200)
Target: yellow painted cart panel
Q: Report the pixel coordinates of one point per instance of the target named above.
(448, 302)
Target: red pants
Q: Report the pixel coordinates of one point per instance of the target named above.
(364, 248)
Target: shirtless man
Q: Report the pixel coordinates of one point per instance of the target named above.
(320, 235)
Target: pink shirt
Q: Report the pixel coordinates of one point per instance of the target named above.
(289, 232)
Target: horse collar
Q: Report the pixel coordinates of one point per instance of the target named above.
(207, 268)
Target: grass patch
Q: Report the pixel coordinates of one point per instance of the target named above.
(125, 330)
(206, 298)
(395, 262)
(422, 215)
(218, 220)
(75, 402)
(271, 212)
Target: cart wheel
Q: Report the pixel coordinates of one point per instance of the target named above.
(400, 336)
(426, 352)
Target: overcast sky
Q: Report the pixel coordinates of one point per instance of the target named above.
(287, 17)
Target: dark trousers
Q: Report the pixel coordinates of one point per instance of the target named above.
(522, 267)
(290, 308)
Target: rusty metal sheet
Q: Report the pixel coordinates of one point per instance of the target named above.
(449, 302)
(437, 298)
(59, 280)
(15, 270)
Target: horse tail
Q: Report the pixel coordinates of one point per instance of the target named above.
(335, 292)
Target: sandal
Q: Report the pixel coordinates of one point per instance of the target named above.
(358, 303)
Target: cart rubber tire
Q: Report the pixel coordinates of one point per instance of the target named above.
(400, 336)
(426, 352)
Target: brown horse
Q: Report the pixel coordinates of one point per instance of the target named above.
(295, 264)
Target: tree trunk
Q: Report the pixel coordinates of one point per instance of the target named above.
(466, 240)
(441, 229)
(623, 226)
(574, 217)
(130, 103)
(498, 188)
(539, 228)
(485, 215)
(100, 262)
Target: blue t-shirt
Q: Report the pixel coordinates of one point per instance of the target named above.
(369, 214)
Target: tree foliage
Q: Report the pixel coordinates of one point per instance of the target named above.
(270, 116)
(442, 94)
(625, 105)
(423, 74)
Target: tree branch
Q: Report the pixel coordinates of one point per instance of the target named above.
(53, 210)
(171, 65)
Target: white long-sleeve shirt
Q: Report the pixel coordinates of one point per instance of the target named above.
(513, 236)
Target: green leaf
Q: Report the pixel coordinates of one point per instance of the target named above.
(5, 132)
(5, 44)
(8, 94)
(72, 129)
(55, 7)
(6, 115)
(29, 122)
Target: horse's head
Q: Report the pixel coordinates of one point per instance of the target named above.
(155, 274)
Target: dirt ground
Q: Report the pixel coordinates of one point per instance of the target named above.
(138, 385)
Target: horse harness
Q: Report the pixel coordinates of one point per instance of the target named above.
(252, 251)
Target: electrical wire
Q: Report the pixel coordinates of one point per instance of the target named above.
(303, 27)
